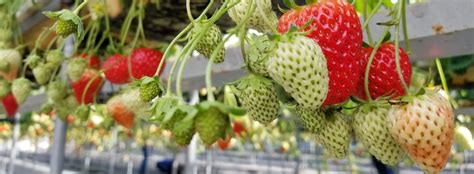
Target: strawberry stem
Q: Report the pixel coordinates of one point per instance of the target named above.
(78, 8)
(405, 30)
(369, 63)
(397, 45)
(369, 35)
(188, 11)
(441, 75)
(372, 13)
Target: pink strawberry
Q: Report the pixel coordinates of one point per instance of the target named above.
(383, 76)
(337, 30)
(424, 128)
(10, 105)
(79, 86)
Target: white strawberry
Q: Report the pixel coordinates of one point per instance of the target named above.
(263, 18)
(335, 134)
(298, 64)
(424, 128)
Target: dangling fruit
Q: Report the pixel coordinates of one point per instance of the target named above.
(79, 86)
(43, 72)
(210, 41)
(336, 28)
(57, 91)
(150, 88)
(259, 98)
(262, 19)
(370, 127)
(10, 105)
(383, 77)
(116, 69)
(21, 89)
(12, 63)
(5, 88)
(183, 132)
(75, 68)
(55, 57)
(424, 128)
(298, 64)
(335, 134)
(65, 27)
(211, 124)
(124, 107)
(312, 119)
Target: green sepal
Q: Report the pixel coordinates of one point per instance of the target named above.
(190, 111)
(222, 107)
(162, 106)
(5, 88)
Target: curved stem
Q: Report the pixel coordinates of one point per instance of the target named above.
(170, 46)
(376, 8)
(367, 30)
(107, 27)
(439, 66)
(188, 11)
(78, 8)
(369, 63)
(127, 23)
(405, 30)
(180, 73)
(51, 43)
(397, 52)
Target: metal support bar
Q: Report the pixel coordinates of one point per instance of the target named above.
(57, 150)
(14, 149)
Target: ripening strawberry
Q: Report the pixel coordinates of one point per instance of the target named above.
(424, 127)
(298, 65)
(335, 134)
(65, 27)
(263, 19)
(79, 86)
(337, 29)
(383, 77)
(210, 41)
(12, 60)
(259, 98)
(370, 128)
(10, 105)
(124, 107)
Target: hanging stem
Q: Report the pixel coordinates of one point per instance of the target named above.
(441, 75)
(78, 8)
(188, 11)
(369, 63)
(369, 35)
(405, 30)
(372, 13)
(127, 23)
(397, 52)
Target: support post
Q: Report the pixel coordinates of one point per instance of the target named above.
(57, 150)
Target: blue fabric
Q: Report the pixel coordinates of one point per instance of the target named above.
(165, 165)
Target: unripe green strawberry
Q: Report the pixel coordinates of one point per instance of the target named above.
(262, 19)
(4, 66)
(43, 73)
(65, 27)
(57, 91)
(298, 64)
(257, 57)
(183, 132)
(170, 123)
(33, 60)
(55, 57)
(4, 88)
(76, 68)
(370, 127)
(211, 39)
(6, 35)
(82, 112)
(150, 88)
(312, 119)
(211, 124)
(66, 107)
(21, 89)
(259, 98)
(335, 134)
(46, 108)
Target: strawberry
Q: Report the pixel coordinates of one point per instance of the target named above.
(168, 124)
(150, 88)
(94, 61)
(12, 62)
(370, 127)
(67, 107)
(10, 105)
(70, 119)
(82, 112)
(263, 18)
(224, 143)
(259, 98)
(298, 65)
(211, 124)
(144, 62)
(79, 86)
(312, 119)
(21, 89)
(383, 76)
(57, 91)
(337, 29)
(335, 134)
(4, 88)
(116, 69)
(210, 41)
(65, 27)
(33, 60)
(76, 67)
(183, 132)
(125, 106)
(424, 127)
(55, 57)
(463, 137)
(238, 128)
(43, 72)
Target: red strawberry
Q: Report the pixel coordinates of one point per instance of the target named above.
(80, 85)
(121, 114)
(116, 69)
(336, 28)
(10, 105)
(224, 143)
(94, 61)
(125, 106)
(383, 76)
(144, 62)
(239, 128)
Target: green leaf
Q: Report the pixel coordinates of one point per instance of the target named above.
(52, 15)
(387, 4)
